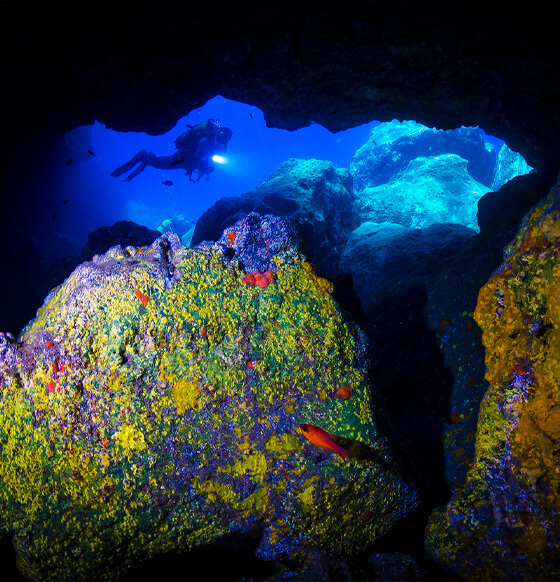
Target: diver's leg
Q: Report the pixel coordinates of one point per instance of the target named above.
(163, 162)
(139, 157)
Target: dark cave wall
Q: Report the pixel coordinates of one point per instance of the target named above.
(142, 66)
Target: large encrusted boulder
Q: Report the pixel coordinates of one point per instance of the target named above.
(427, 190)
(393, 145)
(312, 192)
(154, 405)
(503, 523)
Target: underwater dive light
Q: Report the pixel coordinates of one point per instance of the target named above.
(219, 159)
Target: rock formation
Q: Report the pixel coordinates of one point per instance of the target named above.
(124, 233)
(312, 192)
(392, 146)
(154, 405)
(425, 191)
(503, 522)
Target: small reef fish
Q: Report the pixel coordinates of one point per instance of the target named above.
(68, 162)
(90, 153)
(54, 215)
(167, 183)
(323, 439)
(143, 298)
(344, 392)
(175, 162)
(231, 237)
(65, 201)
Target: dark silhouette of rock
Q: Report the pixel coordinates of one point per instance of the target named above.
(387, 259)
(500, 212)
(124, 233)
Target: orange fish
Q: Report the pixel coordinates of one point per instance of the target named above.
(344, 392)
(231, 236)
(54, 367)
(50, 386)
(50, 344)
(143, 298)
(322, 438)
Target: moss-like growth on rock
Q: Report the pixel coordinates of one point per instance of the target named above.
(503, 524)
(133, 424)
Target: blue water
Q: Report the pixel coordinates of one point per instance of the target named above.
(80, 195)
(97, 199)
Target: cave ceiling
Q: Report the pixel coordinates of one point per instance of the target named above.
(141, 67)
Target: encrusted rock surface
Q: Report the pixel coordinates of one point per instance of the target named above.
(508, 165)
(391, 146)
(427, 190)
(153, 405)
(503, 523)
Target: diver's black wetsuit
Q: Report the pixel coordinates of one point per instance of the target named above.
(195, 149)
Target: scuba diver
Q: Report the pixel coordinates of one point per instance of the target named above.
(195, 149)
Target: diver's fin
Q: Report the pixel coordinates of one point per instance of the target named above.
(139, 157)
(124, 168)
(138, 170)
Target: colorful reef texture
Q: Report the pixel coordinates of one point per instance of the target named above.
(503, 523)
(154, 405)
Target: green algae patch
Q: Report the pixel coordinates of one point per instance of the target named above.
(186, 395)
(284, 446)
(133, 427)
(503, 523)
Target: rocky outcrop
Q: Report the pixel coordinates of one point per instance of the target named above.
(388, 259)
(314, 193)
(178, 223)
(509, 165)
(426, 191)
(500, 212)
(154, 405)
(124, 233)
(392, 146)
(502, 524)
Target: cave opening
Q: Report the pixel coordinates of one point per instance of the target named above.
(390, 177)
(405, 180)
